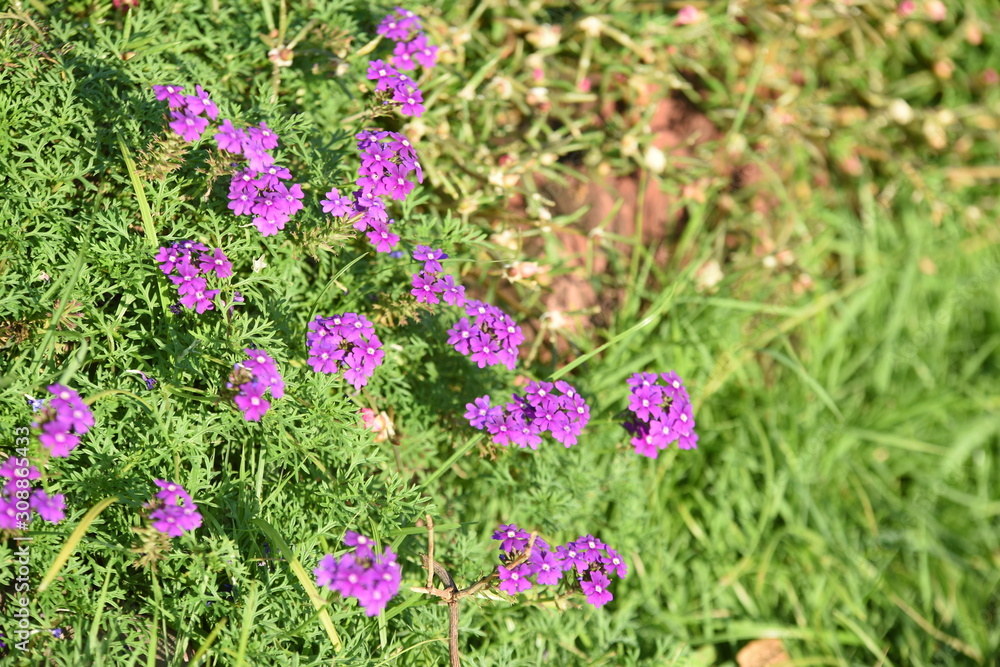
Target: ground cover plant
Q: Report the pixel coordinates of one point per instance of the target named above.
(310, 352)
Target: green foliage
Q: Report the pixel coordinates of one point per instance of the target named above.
(844, 494)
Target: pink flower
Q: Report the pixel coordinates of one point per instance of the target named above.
(936, 11)
(687, 15)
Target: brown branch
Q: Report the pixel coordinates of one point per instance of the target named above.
(453, 654)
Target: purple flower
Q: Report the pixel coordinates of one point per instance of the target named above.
(345, 343)
(336, 205)
(398, 25)
(187, 125)
(362, 545)
(173, 521)
(492, 340)
(572, 556)
(548, 568)
(179, 258)
(431, 257)
(326, 571)
(252, 378)
(169, 258)
(480, 411)
(264, 136)
(188, 278)
(402, 57)
(382, 239)
(613, 564)
(230, 139)
(57, 439)
(10, 467)
(411, 102)
(451, 293)
(171, 492)
(217, 262)
(8, 514)
(423, 53)
(645, 402)
(662, 414)
(386, 162)
(675, 386)
(251, 400)
(373, 579)
(172, 94)
(537, 393)
(511, 538)
(70, 408)
(49, 508)
(199, 103)
(591, 547)
(382, 73)
(200, 300)
(425, 288)
(595, 587)
(36, 404)
(513, 581)
(175, 511)
(527, 418)
(395, 184)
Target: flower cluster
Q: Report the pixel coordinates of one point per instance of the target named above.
(387, 159)
(344, 342)
(175, 510)
(660, 414)
(188, 264)
(63, 420)
(491, 338)
(429, 282)
(372, 579)
(17, 497)
(593, 561)
(252, 379)
(557, 408)
(542, 563)
(257, 190)
(252, 144)
(411, 49)
(190, 113)
(265, 197)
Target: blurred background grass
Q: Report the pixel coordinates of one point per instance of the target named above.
(822, 267)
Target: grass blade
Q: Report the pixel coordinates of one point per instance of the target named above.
(73, 540)
(140, 194)
(307, 583)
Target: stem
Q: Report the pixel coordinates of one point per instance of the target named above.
(456, 660)
(430, 551)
